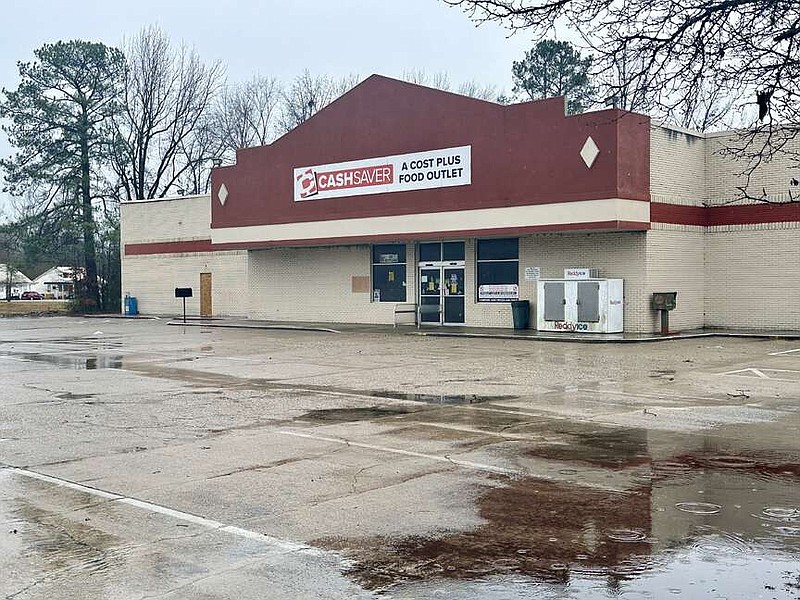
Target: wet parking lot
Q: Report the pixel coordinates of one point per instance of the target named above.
(141, 460)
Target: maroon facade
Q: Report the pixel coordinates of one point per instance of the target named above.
(522, 154)
(745, 214)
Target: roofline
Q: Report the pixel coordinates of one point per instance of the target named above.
(167, 199)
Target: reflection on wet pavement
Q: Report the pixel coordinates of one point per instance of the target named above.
(346, 415)
(54, 541)
(695, 521)
(438, 398)
(533, 527)
(72, 361)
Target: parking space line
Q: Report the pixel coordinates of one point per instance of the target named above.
(761, 373)
(467, 464)
(278, 544)
(743, 372)
(784, 352)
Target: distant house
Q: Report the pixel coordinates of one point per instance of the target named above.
(19, 282)
(57, 283)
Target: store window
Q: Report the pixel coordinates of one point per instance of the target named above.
(389, 273)
(498, 270)
(430, 252)
(441, 251)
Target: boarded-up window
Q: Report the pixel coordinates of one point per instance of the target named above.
(360, 284)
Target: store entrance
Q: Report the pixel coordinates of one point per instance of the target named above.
(441, 283)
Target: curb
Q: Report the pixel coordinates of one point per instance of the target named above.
(590, 340)
(254, 326)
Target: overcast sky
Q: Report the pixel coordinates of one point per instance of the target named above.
(277, 38)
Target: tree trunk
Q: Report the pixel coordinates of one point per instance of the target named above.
(92, 300)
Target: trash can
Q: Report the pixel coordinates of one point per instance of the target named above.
(521, 311)
(131, 306)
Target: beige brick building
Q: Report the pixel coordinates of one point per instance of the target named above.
(401, 195)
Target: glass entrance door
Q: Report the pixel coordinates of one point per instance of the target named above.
(441, 282)
(453, 290)
(441, 295)
(430, 295)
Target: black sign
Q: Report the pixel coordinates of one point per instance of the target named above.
(665, 300)
(183, 292)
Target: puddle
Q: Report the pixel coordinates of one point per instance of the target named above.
(228, 381)
(71, 396)
(699, 523)
(55, 541)
(780, 514)
(346, 415)
(533, 527)
(699, 508)
(70, 361)
(609, 448)
(92, 342)
(436, 398)
(668, 374)
(626, 535)
(764, 466)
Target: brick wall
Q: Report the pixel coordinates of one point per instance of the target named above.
(168, 220)
(741, 276)
(677, 166)
(725, 174)
(153, 278)
(315, 284)
(676, 257)
(754, 277)
(615, 255)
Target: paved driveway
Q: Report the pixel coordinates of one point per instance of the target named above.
(144, 461)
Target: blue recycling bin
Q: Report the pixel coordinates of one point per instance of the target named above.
(131, 306)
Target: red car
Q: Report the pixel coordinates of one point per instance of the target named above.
(31, 296)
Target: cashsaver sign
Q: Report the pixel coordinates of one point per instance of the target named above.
(400, 173)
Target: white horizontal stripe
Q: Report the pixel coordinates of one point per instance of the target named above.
(65, 484)
(466, 464)
(453, 461)
(561, 213)
(278, 544)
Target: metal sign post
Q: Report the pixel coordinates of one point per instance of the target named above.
(664, 302)
(183, 293)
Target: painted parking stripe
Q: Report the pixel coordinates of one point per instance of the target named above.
(761, 373)
(446, 459)
(784, 352)
(278, 544)
(465, 464)
(748, 373)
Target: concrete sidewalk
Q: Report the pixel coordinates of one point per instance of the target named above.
(482, 332)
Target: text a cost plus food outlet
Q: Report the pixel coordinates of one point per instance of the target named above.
(445, 167)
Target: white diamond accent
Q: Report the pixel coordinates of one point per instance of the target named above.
(222, 194)
(589, 152)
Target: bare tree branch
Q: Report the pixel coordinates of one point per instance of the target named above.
(710, 63)
(308, 94)
(168, 93)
